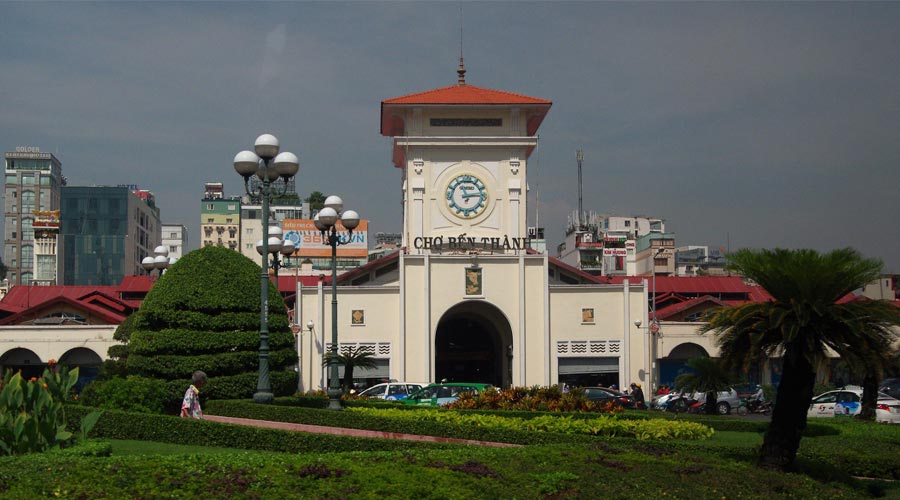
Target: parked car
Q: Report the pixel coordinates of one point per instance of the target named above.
(607, 395)
(392, 391)
(847, 402)
(891, 387)
(441, 394)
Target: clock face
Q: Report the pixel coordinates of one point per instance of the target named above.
(466, 196)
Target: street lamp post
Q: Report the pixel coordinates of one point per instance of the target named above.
(326, 221)
(276, 246)
(268, 165)
(160, 262)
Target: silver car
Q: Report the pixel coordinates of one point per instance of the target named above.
(392, 391)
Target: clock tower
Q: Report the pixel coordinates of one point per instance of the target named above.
(464, 152)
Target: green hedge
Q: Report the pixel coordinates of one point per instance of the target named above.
(115, 424)
(210, 320)
(202, 342)
(346, 419)
(209, 280)
(227, 363)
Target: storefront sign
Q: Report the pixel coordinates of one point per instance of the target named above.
(464, 243)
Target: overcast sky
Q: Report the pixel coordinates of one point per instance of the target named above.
(749, 124)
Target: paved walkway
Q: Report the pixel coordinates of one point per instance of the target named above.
(340, 431)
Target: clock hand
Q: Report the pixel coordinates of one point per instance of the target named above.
(466, 196)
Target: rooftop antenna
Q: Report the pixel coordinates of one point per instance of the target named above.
(461, 71)
(579, 157)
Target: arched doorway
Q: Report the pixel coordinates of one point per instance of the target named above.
(676, 362)
(473, 343)
(87, 361)
(22, 359)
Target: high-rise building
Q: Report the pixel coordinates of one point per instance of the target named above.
(105, 233)
(46, 247)
(220, 218)
(33, 182)
(175, 239)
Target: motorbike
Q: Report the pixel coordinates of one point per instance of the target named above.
(754, 406)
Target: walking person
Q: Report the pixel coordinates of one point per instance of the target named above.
(190, 406)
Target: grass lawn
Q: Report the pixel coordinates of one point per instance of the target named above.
(124, 447)
(721, 467)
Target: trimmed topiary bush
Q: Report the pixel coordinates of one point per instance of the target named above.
(202, 314)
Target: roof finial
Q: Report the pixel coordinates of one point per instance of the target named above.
(461, 71)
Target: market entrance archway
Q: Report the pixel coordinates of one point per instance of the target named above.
(473, 343)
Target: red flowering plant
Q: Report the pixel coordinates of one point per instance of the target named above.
(536, 398)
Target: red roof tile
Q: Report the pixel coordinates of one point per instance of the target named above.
(465, 94)
(674, 309)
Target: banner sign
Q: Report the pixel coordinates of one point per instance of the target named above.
(308, 241)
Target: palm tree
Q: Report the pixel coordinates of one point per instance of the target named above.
(803, 318)
(355, 357)
(709, 376)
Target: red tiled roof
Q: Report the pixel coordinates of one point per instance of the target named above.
(674, 309)
(346, 278)
(694, 285)
(35, 311)
(288, 283)
(599, 280)
(466, 94)
(136, 284)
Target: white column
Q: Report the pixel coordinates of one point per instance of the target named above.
(548, 353)
(398, 370)
(320, 323)
(429, 346)
(624, 373)
(520, 352)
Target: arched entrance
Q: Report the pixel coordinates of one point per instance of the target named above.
(676, 362)
(473, 343)
(87, 361)
(22, 359)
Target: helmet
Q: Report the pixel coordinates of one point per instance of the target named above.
(758, 386)
(637, 384)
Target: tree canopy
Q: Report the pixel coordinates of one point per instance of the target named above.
(203, 314)
(811, 311)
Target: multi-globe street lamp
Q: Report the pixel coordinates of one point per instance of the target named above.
(326, 222)
(277, 246)
(160, 261)
(268, 165)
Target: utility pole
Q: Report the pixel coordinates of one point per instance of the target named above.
(579, 157)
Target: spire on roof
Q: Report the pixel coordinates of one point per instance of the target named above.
(461, 71)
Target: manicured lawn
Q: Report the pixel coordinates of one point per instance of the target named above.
(123, 447)
(617, 469)
(550, 466)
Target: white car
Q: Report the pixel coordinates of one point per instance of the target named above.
(392, 391)
(847, 402)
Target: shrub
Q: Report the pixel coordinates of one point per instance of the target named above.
(32, 412)
(114, 424)
(608, 426)
(203, 314)
(535, 398)
(137, 394)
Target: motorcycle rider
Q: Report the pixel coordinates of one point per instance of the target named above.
(758, 399)
(638, 394)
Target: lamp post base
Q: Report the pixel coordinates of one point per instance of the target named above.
(334, 400)
(265, 398)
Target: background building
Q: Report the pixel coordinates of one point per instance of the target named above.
(46, 247)
(605, 245)
(220, 218)
(105, 231)
(175, 238)
(33, 182)
(251, 224)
